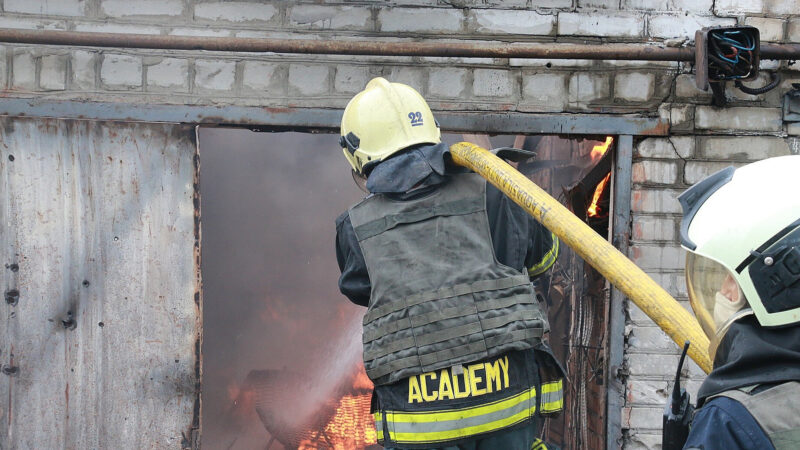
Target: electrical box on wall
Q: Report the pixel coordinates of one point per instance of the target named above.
(791, 104)
(726, 53)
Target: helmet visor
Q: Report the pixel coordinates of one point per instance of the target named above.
(714, 294)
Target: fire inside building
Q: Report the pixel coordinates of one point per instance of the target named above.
(267, 384)
(170, 176)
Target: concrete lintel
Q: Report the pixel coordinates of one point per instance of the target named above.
(329, 119)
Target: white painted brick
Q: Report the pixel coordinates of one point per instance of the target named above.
(587, 86)
(658, 365)
(206, 31)
(46, 7)
(124, 8)
(681, 116)
(734, 7)
(681, 25)
(121, 71)
(670, 148)
(308, 79)
(412, 76)
(781, 7)
(171, 73)
(598, 4)
(686, 87)
(424, 20)
(793, 31)
(770, 30)
(83, 69)
(23, 67)
(53, 73)
(32, 24)
(498, 21)
(655, 201)
(117, 28)
(552, 4)
(330, 17)
(656, 172)
(259, 75)
(647, 5)
(692, 6)
(738, 119)
(673, 283)
(649, 339)
(601, 24)
(492, 83)
(643, 417)
(350, 79)
(547, 91)
(698, 170)
(235, 11)
(215, 75)
(634, 86)
(3, 68)
(648, 392)
(644, 441)
(447, 82)
(649, 228)
(750, 148)
(658, 256)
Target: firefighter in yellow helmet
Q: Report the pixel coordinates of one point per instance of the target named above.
(741, 229)
(452, 335)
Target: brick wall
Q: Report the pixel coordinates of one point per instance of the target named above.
(703, 138)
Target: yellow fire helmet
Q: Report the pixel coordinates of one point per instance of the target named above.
(383, 119)
(741, 228)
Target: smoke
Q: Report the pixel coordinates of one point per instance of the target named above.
(270, 296)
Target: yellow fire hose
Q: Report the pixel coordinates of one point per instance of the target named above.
(664, 310)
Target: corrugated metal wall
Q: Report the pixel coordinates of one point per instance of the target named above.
(99, 264)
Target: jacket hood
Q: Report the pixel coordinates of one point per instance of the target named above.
(750, 354)
(421, 166)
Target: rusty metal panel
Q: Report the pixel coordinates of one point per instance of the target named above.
(99, 258)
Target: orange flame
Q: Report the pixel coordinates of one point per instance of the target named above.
(352, 425)
(600, 149)
(597, 152)
(592, 210)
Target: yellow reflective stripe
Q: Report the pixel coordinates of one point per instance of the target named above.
(440, 436)
(455, 414)
(547, 260)
(552, 396)
(378, 424)
(538, 444)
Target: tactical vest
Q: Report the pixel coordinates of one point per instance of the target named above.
(777, 410)
(439, 296)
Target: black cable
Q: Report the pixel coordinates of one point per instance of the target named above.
(776, 80)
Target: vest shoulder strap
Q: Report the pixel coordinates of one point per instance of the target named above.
(777, 410)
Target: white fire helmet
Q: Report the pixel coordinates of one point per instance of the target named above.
(383, 119)
(741, 228)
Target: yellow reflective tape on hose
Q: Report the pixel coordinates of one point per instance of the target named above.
(653, 300)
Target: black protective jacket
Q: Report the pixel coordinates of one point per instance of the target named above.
(519, 240)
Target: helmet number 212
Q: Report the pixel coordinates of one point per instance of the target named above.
(416, 118)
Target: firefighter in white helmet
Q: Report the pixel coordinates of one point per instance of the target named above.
(741, 228)
(443, 261)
